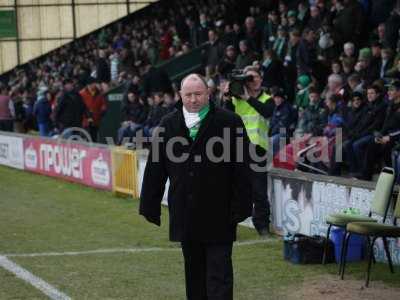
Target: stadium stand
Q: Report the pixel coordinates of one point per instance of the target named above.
(336, 64)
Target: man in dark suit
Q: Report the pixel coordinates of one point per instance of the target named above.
(210, 191)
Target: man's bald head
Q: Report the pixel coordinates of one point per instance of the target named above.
(194, 76)
(194, 92)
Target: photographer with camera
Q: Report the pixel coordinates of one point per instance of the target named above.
(246, 97)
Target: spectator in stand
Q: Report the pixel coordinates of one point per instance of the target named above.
(336, 67)
(237, 35)
(348, 67)
(7, 111)
(281, 43)
(349, 51)
(355, 84)
(252, 35)
(387, 136)
(349, 21)
(193, 33)
(165, 42)
(215, 53)
(246, 56)
(386, 62)
(282, 121)
(157, 111)
(293, 24)
(103, 73)
(352, 117)
(303, 14)
(29, 120)
(392, 27)
(227, 64)
(290, 63)
(270, 29)
(114, 65)
(272, 70)
(302, 96)
(362, 135)
(335, 115)
(368, 71)
(70, 109)
(19, 112)
(335, 121)
(306, 52)
(155, 80)
(394, 72)
(134, 114)
(315, 21)
(203, 29)
(378, 35)
(335, 86)
(42, 111)
(312, 119)
(96, 106)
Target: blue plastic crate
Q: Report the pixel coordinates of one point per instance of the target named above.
(356, 247)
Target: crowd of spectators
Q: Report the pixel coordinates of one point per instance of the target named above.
(327, 64)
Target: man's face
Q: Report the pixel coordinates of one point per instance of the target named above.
(278, 100)
(372, 95)
(294, 38)
(333, 85)
(314, 12)
(376, 51)
(194, 94)
(356, 103)
(230, 53)
(255, 84)
(393, 93)
(314, 98)
(211, 36)
(243, 47)
(69, 86)
(311, 36)
(349, 51)
(131, 97)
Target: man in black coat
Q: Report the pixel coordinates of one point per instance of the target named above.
(209, 191)
(70, 108)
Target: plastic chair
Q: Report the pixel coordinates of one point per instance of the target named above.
(374, 231)
(379, 206)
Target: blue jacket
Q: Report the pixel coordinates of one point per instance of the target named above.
(284, 116)
(42, 110)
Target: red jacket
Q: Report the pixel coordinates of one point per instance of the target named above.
(96, 105)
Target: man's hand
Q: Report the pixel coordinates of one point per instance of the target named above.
(385, 139)
(245, 95)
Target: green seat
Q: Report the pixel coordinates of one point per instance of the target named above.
(368, 228)
(374, 231)
(344, 219)
(379, 206)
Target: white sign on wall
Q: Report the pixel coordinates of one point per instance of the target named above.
(11, 152)
(300, 206)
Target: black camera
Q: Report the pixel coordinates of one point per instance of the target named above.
(237, 80)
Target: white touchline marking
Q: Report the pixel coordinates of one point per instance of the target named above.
(125, 250)
(35, 281)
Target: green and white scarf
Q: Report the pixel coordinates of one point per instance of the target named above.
(193, 120)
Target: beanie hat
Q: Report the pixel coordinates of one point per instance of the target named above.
(365, 54)
(304, 80)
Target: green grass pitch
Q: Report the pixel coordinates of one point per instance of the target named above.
(41, 215)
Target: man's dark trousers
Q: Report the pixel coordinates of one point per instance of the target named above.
(259, 181)
(208, 270)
